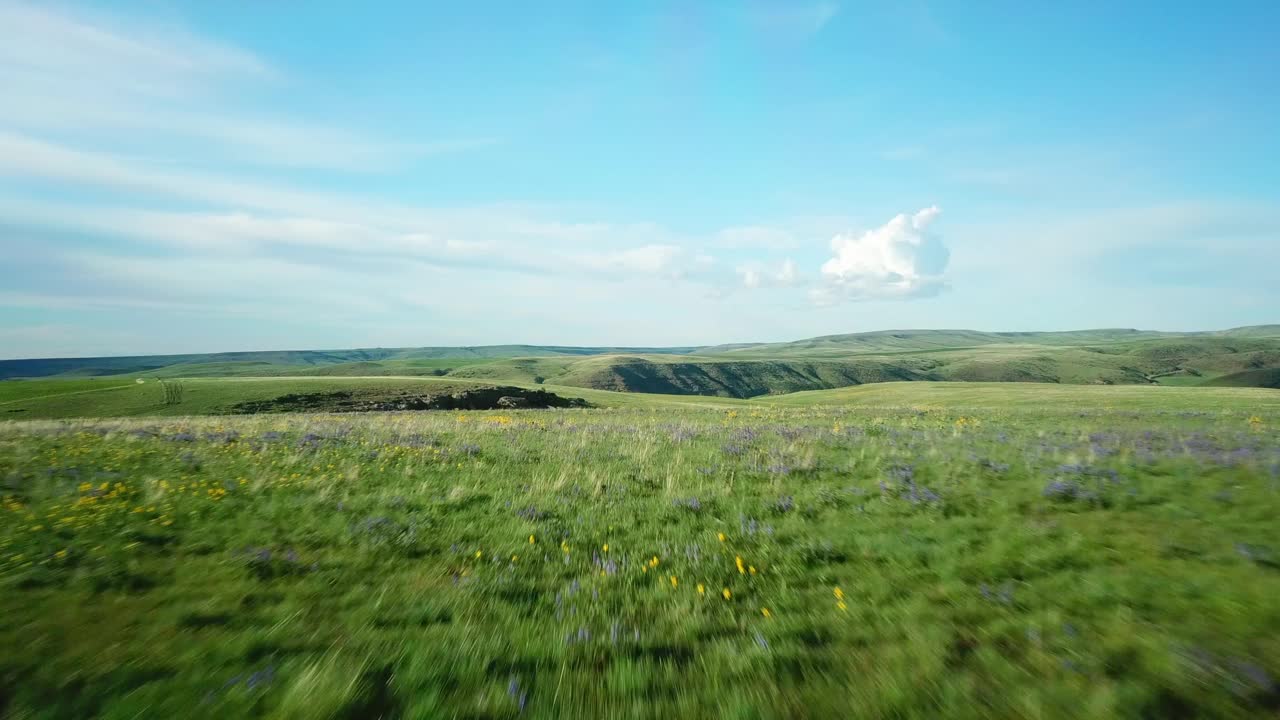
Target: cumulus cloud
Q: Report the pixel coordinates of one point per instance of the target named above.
(785, 275)
(901, 259)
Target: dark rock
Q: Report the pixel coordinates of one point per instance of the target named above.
(480, 398)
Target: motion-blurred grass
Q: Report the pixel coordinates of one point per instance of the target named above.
(1062, 561)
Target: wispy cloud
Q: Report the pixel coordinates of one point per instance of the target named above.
(786, 274)
(1246, 232)
(101, 78)
(40, 42)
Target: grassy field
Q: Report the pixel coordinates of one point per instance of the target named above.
(918, 552)
(1047, 398)
(106, 397)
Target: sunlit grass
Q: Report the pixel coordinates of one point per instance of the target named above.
(752, 562)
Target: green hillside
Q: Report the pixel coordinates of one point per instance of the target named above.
(927, 340)
(55, 398)
(1263, 378)
(1063, 398)
(297, 361)
(1243, 357)
(1173, 361)
(52, 399)
(895, 341)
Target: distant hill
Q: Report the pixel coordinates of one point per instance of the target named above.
(1241, 357)
(284, 361)
(926, 340)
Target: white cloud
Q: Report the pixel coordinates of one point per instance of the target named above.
(96, 52)
(757, 276)
(665, 261)
(479, 239)
(137, 82)
(131, 155)
(647, 259)
(898, 260)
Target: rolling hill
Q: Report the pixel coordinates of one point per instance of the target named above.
(286, 361)
(1240, 357)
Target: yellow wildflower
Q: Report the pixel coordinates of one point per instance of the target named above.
(702, 589)
(674, 582)
(741, 568)
(726, 593)
(531, 540)
(606, 547)
(478, 554)
(721, 537)
(751, 569)
(765, 612)
(839, 594)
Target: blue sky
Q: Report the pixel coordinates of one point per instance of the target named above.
(195, 176)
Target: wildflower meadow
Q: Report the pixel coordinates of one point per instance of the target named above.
(747, 563)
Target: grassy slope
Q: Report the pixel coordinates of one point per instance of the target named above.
(929, 340)
(201, 396)
(101, 398)
(32, 399)
(832, 346)
(1262, 378)
(13, 393)
(359, 368)
(1184, 361)
(1246, 356)
(1032, 396)
(236, 362)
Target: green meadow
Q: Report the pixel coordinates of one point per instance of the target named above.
(115, 397)
(911, 523)
(899, 550)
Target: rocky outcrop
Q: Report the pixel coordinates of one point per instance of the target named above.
(481, 398)
(496, 398)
